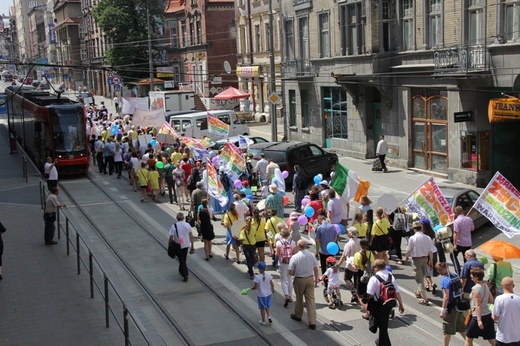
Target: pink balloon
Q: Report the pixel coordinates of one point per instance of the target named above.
(337, 228)
(214, 161)
(237, 183)
(305, 201)
(302, 220)
(285, 174)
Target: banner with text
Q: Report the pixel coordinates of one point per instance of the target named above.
(167, 129)
(217, 126)
(235, 160)
(500, 203)
(429, 202)
(215, 187)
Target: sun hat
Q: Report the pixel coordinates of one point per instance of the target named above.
(294, 215)
(324, 182)
(353, 232)
(273, 188)
(261, 265)
(416, 224)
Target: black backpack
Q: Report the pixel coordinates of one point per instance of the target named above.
(225, 181)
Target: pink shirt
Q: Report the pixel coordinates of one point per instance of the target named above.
(463, 225)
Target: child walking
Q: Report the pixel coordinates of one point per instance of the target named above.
(265, 286)
(332, 276)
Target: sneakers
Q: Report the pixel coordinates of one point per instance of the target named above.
(269, 320)
(262, 323)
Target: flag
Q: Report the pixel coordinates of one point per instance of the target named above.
(499, 202)
(199, 154)
(244, 142)
(167, 129)
(217, 126)
(429, 202)
(193, 143)
(348, 185)
(215, 187)
(234, 159)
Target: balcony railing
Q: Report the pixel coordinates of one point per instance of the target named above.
(299, 68)
(302, 4)
(461, 59)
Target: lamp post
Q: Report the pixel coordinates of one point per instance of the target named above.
(272, 106)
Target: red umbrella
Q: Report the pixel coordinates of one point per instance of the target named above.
(231, 94)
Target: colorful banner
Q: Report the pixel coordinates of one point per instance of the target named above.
(235, 160)
(429, 202)
(167, 129)
(217, 126)
(193, 143)
(215, 188)
(500, 203)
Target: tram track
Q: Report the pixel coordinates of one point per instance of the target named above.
(157, 302)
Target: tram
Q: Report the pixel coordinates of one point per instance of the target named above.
(48, 125)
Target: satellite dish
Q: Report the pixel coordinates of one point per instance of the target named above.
(227, 67)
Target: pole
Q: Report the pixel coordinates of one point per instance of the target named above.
(251, 55)
(272, 107)
(150, 57)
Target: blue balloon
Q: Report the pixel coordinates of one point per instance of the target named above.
(317, 179)
(342, 229)
(309, 211)
(438, 227)
(249, 197)
(199, 208)
(153, 142)
(332, 248)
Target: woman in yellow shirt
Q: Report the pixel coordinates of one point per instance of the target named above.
(154, 177)
(258, 224)
(142, 177)
(227, 221)
(361, 225)
(248, 238)
(271, 231)
(361, 258)
(379, 236)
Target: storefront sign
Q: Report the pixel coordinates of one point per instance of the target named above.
(463, 116)
(248, 71)
(504, 109)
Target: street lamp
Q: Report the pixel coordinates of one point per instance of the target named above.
(272, 106)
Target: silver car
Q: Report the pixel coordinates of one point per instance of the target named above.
(465, 198)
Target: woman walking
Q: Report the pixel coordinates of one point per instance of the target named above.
(285, 249)
(258, 224)
(481, 323)
(227, 221)
(118, 160)
(248, 239)
(362, 258)
(379, 235)
(206, 228)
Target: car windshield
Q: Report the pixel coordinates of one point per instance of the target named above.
(68, 127)
(254, 151)
(449, 199)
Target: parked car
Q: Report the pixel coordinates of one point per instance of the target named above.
(36, 83)
(311, 158)
(7, 76)
(86, 98)
(465, 198)
(44, 85)
(220, 143)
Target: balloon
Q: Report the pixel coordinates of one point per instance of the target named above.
(337, 228)
(153, 142)
(302, 220)
(214, 161)
(342, 229)
(285, 200)
(332, 248)
(250, 197)
(438, 227)
(321, 176)
(159, 165)
(168, 150)
(199, 208)
(484, 260)
(305, 201)
(237, 183)
(285, 174)
(309, 211)
(317, 179)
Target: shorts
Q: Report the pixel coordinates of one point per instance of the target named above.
(453, 322)
(330, 288)
(144, 187)
(260, 244)
(265, 302)
(229, 238)
(487, 333)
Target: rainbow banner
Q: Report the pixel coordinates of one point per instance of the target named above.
(168, 130)
(500, 203)
(217, 126)
(429, 202)
(215, 187)
(235, 160)
(193, 143)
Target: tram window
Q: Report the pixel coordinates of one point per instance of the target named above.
(475, 150)
(68, 128)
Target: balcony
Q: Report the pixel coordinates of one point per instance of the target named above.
(463, 59)
(299, 68)
(302, 4)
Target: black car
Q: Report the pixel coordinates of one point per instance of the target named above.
(86, 98)
(311, 158)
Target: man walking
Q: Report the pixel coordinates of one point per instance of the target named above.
(49, 215)
(304, 267)
(261, 168)
(325, 234)
(52, 173)
(381, 312)
(382, 149)
(170, 182)
(465, 273)
(420, 248)
(506, 313)
(180, 232)
(274, 201)
(462, 228)
(99, 147)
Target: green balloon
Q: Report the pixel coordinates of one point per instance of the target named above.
(159, 165)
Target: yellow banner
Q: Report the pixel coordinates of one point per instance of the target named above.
(504, 109)
(248, 71)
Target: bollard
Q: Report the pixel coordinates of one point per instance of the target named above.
(12, 144)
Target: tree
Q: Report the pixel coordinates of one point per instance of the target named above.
(124, 23)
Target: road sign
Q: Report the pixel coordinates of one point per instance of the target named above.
(117, 87)
(110, 81)
(116, 80)
(274, 98)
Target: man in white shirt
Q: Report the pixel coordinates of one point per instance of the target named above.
(506, 313)
(261, 167)
(50, 169)
(240, 206)
(181, 232)
(271, 167)
(420, 248)
(382, 149)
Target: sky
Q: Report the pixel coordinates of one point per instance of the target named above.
(4, 6)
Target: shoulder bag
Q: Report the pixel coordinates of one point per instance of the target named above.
(368, 272)
(190, 219)
(388, 237)
(491, 283)
(174, 248)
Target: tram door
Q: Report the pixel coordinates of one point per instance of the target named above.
(430, 133)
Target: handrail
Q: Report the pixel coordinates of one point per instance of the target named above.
(76, 241)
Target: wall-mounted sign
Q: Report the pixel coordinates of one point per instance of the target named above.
(504, 109)
(463, 116)
(248, 71)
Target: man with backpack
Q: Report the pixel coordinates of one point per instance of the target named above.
(381, 297)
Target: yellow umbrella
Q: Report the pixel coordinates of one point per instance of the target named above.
(499, 248)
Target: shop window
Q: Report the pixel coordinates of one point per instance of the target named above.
(475, 150)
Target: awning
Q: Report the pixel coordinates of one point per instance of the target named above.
(504, 109)
(248, 71)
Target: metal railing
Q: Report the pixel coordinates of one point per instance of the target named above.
(461, 59)
(98, 277)
(299, 68)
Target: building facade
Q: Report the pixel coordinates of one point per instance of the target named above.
(419, 72)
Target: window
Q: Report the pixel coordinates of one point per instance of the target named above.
(266, 36)
(192, 32)
(435, 23)
(324, 35)
(258, 39)
(199, 29)
(351, 24)
(388, 17)
(334, 105)
(202, 123)
(303, 27)
(476, 22)
(242, 40)
(511, 23)
(292, 108)
(184, 33)
(304, 99)
(174, 35)
(177, 72)
(289, 40)
(475, 150)
(407, 19)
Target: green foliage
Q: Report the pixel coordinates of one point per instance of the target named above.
(125, 25)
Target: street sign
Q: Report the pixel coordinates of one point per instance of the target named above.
(117, 87)
(274, 98)
(66, 76)
(110, 81)
(116, 80)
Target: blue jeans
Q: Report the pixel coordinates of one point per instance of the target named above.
(249, 252)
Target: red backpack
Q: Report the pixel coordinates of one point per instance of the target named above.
(387, 293)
